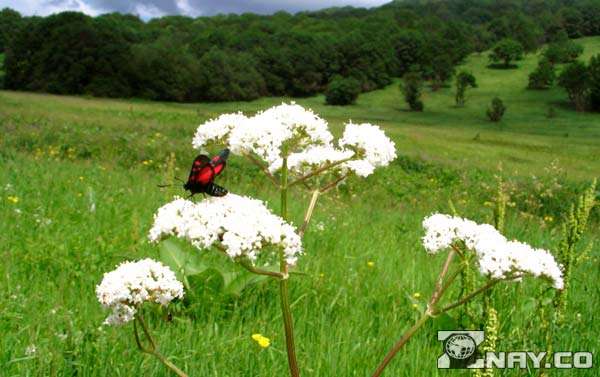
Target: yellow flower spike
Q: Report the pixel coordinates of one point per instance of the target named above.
(371, 264)
(13, 199)
(262, 341)
(416, 295)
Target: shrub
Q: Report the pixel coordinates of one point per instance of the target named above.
(543, 77)
(463, 81)
(342, 91)
(496, 110)
(574, 79)
(412, 87)
(506, 51)
(563, 51)
(594, 82)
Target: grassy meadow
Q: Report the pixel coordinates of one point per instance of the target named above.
(78, 189)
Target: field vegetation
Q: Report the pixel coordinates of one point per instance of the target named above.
(78, 187)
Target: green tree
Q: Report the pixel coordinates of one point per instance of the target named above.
(594, 82)
(496, 110)
(412, 87)
(543, 77)
(506, 51)
(342, 91)
(442, 69)
(575, 80)
(464, 80)
(10, 23)
(562, 50)
(229, 76)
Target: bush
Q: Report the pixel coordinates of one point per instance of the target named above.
(574, 79)
(342, 91)
(594, 83)
(463, 81)
(564, 51)
(496, 110)
(506, 51)
(543, 77)
(412, 87)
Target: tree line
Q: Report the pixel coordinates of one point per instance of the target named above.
(340, 51)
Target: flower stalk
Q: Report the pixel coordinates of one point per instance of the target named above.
(153, 349)
(441, 287)
(283, 284)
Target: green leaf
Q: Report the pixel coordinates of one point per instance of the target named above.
(181, 262)
(237, 283)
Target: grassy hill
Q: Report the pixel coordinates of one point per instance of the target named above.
(526, 141)
(62, 156)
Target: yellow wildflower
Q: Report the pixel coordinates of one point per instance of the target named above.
(371, 264)
(416, 295)
(262, 341)
(13, 199)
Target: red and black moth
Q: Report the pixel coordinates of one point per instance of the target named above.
(203, 173)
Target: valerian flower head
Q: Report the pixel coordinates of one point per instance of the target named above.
(266, 133)
(371, 143)
(241, 226)
(497, 257)
(293, 132)
(132, 283)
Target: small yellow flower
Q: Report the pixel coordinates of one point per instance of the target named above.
(13, 199)
(415, 306)
(262, 341)
(548, 219)
(79, 194)
(81, 178)
(371, 264)
(416, 295)
(488, 204)
(321, 275)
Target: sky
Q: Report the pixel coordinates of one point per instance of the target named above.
(156, 8)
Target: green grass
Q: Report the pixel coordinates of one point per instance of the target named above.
(59, 155)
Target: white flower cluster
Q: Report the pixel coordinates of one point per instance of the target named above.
(265, 133)
(378, 149)
(497, 257)
(243, 226)
(306, 137)
(133, 283)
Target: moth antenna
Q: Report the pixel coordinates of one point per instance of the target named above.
(163, 186)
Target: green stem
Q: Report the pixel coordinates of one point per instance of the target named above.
(259, 271)
(283, 283)
(153, 351)
(309, 212)
(318, 171)
(405, 338)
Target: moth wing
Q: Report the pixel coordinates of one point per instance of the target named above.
(202, 172)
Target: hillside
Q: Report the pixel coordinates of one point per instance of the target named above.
(524, 143)
(78, 184)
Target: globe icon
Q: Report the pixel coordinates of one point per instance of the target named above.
(460, 346)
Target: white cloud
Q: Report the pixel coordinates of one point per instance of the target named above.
(157, 8)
